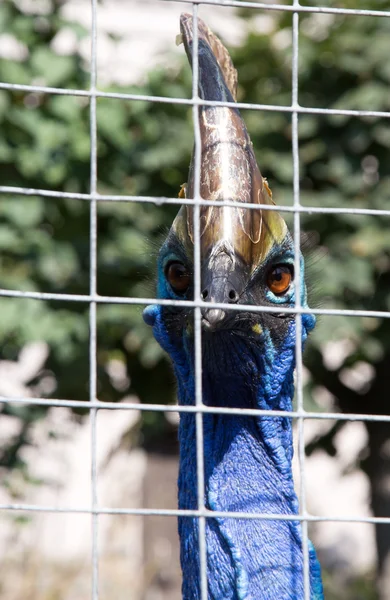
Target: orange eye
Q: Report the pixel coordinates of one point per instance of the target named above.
(279, 279)
(178, 277)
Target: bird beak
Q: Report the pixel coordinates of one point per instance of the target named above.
(234, 240)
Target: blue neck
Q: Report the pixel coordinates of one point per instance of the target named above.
(247, 469)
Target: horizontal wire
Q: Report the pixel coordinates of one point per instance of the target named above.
(166, 512)
(161, 200)
(252, 412)
(289, 8)
(195, 102)
(87, 298)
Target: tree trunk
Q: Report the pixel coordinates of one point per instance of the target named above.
(161, 541)
(378, 470)
(377, 465)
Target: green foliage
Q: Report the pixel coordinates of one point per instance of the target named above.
(343, 160)
(144, 148)
(360, 588)
(45, 242)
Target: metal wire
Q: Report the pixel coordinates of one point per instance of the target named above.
(93, 299)
(197, 316)
(298, 305)
(190, 102)
(380, 314)
(165, 512)
(253, 412)
(92, 304)
(296, 8)
(160, 200)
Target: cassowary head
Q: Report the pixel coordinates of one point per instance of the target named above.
(247, 254)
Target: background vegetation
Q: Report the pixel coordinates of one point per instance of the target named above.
(144, 149)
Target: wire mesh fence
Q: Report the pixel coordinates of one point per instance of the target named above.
(93, 299)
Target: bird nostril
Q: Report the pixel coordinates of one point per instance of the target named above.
(204, 294)
(233, 295)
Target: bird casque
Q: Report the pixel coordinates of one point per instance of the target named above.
(248, 358)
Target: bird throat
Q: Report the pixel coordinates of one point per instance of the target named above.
(247, 469)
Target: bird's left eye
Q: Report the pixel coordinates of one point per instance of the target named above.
(279, 279)
(178, 277)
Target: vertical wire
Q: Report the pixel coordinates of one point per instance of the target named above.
(92, 306)
(197, 313)
(298, 304)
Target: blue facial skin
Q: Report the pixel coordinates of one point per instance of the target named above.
(247, 459)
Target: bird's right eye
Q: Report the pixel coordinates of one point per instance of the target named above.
(178, 277)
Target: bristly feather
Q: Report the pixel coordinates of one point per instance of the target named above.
(313, 255)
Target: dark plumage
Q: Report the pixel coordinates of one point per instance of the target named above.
(248, 358)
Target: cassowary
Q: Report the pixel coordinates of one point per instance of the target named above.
(248, 358)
